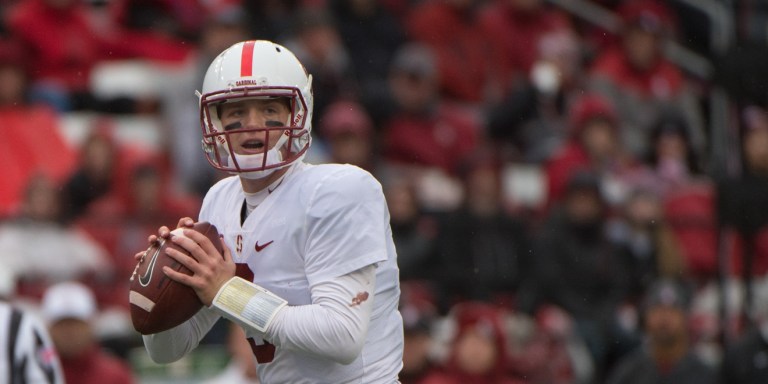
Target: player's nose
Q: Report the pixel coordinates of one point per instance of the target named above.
(254, 118)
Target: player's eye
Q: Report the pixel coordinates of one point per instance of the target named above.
(232, 113)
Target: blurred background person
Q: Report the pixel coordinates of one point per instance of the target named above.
(65, 43)
(671, 157)
(423, 135)
(28, 354)
(419, 344)
(641, 82)
(517, 29)
(478, 349)
(451, 29)
(593, 145)
(42, 250)
(482, 251)
(413, 231)
(646, 243)
(70, 310)
(745, 361)
(33, 140)
(371, 34)
(94, 175)
(316, 42)
(349, 134)
(743, 197)
(666, 355)
(532, 118)
(578, 268)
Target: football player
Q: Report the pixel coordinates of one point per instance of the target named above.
(309, 269)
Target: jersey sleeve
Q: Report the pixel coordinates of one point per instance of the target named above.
(173, 344)
(346, 223)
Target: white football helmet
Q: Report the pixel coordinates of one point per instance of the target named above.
(256, 69)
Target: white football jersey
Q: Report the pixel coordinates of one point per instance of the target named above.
(321, 222)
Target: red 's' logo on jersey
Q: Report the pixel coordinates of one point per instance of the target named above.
(260, 247)
(360, 298)
(239, 244)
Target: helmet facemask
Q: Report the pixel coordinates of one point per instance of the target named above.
(289, 147)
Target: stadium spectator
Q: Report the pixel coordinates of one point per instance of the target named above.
(646, 242)
(270, 20)
(532, 118)
(666, 355)
(517, 30)
(348, 131)
(593, 144)
(578, 268)
(419, 318)
(32, 139)
(40, 249)
(70, 310)
(95, 172)
(671, 156)
(483, 238)
(371, 35)
(742, 198)
(744, 360)
(451, 29)
(317, 43)
(64, 44)
(478, 351)
(425, 130)
(413, 231)
(640, 81)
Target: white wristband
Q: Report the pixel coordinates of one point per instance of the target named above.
(248, 303)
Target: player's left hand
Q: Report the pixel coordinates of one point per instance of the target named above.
(210, 269)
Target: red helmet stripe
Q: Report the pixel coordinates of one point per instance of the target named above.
(246, 61)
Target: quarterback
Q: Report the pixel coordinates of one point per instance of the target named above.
(309, 269)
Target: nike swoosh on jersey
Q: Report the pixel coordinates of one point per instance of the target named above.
(260, 247)
(147, 276)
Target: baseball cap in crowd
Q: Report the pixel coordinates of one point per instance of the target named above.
(345, 117)
(415, 59)
(69, 300)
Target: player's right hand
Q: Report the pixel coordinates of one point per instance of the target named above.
(165, 232)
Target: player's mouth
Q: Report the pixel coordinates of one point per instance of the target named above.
(253, 146)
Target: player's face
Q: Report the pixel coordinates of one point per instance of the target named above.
(252, 114)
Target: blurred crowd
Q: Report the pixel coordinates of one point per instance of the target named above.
(565, 205)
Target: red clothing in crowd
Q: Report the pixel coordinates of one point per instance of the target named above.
(32, 143)
(461, 49)
(96, 367)
(63, 46)
(486, 320)
(441, 139)
(516, 34)
(662, 81)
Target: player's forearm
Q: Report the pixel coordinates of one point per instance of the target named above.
(171, 345)
(334, 326)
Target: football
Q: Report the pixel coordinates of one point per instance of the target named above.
(157, 302)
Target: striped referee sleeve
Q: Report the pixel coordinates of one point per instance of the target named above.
(28, 355)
